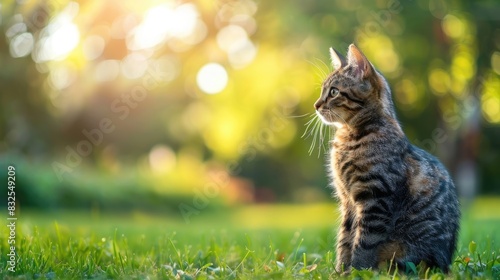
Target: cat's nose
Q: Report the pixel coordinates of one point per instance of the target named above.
(318, 104)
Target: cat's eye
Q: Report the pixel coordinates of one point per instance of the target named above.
(333, 91)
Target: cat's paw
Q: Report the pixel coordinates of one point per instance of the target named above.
(346, 272)
(343, 270)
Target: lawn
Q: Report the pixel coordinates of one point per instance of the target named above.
(251, 242)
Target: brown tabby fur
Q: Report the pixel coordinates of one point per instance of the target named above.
(397, 202)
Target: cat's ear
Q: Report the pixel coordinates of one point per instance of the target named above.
(338, 61)
(356, 58)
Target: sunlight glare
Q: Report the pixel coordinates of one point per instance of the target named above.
(58, 45)
(199, 33)
(60, 37)
(161, 23)
(153, 30)
(184, 20)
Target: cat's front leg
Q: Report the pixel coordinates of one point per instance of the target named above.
(372, 232)
(345, 239)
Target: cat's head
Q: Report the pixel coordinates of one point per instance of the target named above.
(354, 92)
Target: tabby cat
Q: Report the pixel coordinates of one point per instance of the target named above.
(397, 202)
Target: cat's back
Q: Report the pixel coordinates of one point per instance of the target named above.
(431, 192)
(431, 208)
(426, 175)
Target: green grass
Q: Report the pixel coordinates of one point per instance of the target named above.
(253, 242)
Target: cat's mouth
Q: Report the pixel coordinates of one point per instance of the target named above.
(325, 115)
(328, 117)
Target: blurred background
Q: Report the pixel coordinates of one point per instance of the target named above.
(185, 106)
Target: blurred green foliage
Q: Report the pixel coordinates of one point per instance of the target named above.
(158, 101)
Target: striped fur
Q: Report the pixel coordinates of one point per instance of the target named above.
(397, 202)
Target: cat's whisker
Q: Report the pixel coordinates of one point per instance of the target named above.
(330, 134)
(326, 69)
(321, 143)
(319, 135)
(318, 131)
(307, 131)
(298, 116)
(308, 124)
(313, 115)
(324, 64)
(324, 130)
(311, 148)
(314, 130)
(318, 75)
(318, 70)
(338, 116)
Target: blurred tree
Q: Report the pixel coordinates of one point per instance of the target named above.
(176, 90)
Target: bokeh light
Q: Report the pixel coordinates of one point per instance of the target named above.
(82, 60)
(453, 26)
(62, 76)
(134, 65)
(495, 62)
(21, 45)
(107, 70)
(93, 46)
(234, 40)
(165, 21)
(491, 98)
(242, 54)
(60, 37)
(231, 35)
(212, 78)
(439, 80)
(161, 159)
(406, 92)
